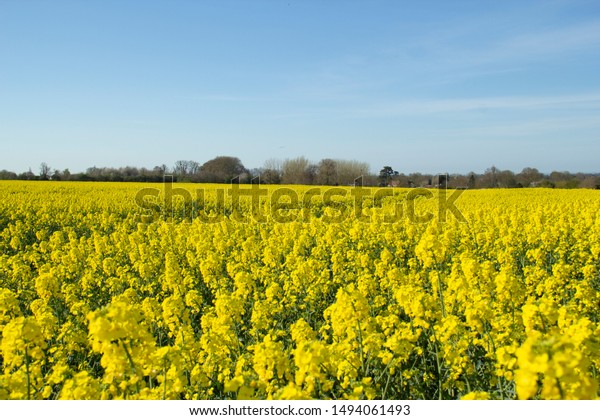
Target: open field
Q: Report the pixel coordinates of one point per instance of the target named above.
(108, 292)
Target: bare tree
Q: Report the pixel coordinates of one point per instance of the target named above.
(160, 170)
(327, 172)
(490, 177)
(273, 164)
(270, 173)
(181, 168)
(44, 170)
(296, 171)
(186, 169)
(529, 176)
(506, 179)
(591, 181)
(349, 170)
(193, 167)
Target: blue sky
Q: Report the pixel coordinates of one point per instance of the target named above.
(429, 86)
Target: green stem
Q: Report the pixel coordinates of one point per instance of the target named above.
(131, 364)
(165, 380)
(27, 373)
(360, 343)
(439, 369)
(387, 383)
(500, 379)
(439, 283)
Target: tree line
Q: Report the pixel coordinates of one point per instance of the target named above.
(300, 170)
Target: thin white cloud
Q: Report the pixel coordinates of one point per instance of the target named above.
(464, 51)
(530, 129)
(436, 106)
(559, 40)
(582, 103)
(230, 98)
(535, 46)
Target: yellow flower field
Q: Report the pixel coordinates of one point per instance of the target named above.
(109, 292)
